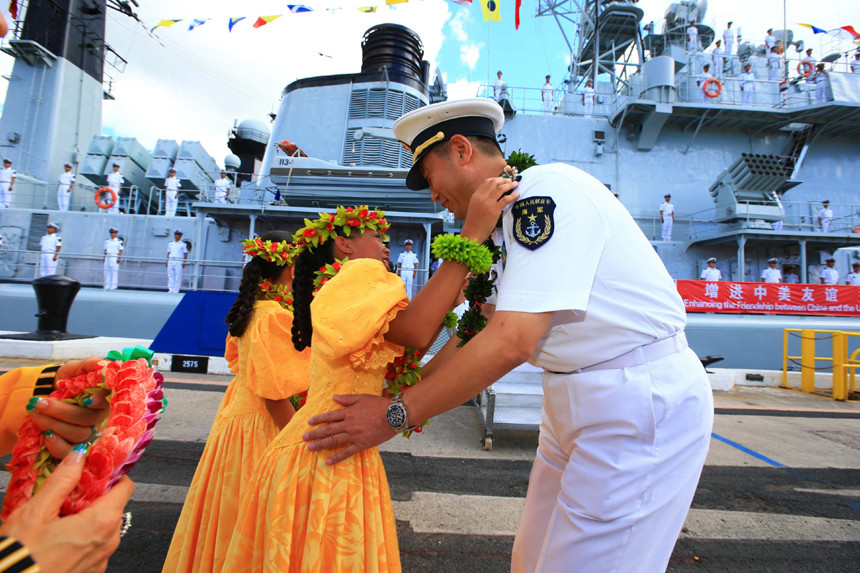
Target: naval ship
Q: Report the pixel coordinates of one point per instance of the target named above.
(747, 179)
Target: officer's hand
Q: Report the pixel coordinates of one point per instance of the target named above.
(361, 426)
(118, 260)
(485, 207)
(55, 257)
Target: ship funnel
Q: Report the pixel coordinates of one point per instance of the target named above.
(396, 48)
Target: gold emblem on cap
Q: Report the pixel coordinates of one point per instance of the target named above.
(420, 149)
(406, 147)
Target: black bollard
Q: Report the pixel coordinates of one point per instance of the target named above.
(54, 295)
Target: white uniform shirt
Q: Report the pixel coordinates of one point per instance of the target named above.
(66, 178)
(176, 250)
(710, 274)
(748, 81)
(407, 260)
(728, 36)
(771, 275)
(50, 243)
(692, 37)
(718, 53)
(172, 184)
(770, 41)
(588, 94)
(830, 276)
(591, 293)
(773, 61)
(826, 215)
(702, 78)
(546, 92)
(498, 87)
(855, 66)
(853, 279)
(113, 247)
(222, 186)
(7, 174)
(791, 278)
(667, 209)
(115, 180)
(820, 77)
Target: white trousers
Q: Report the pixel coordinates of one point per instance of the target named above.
(776, 225)
(547, 106)
(728, 46)
(820, 93)
(47, 264)
(174, 275)
(826, 224)
(747, 97)
(115, 208)
(408, 275)
(5, 196)
(667, 229)
(64, 193)
(111, 272)
(171, 201)
(589, 106)
(220, 197)
(773, 74)
(718, 66)
(619, 458)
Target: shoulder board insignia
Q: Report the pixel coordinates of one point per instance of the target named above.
(533, 221)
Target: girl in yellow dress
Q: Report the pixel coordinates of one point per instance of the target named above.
(268, 371)
(299, 514)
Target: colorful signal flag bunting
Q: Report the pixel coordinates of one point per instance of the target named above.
(368, 9)
(164, 24)
(197, 23)
(491, 10)
(815, 29)
(263, 20)
(299, 8)
(390, 2)
(234, 21)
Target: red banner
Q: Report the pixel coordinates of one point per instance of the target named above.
(770, 298)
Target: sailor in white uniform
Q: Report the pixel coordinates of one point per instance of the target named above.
(115, 181)
(773, 64)
(407, 262)
(172, 185)
(700, 83)
(500, 87)
(7, 183)
(807, 66)
(791, 277)
(616, 467)
(853, 278)
(825, 217)
(222, 188)
(50, 246)
(667, 217)
(692, 37)
(729, 38)
(177, 254)
(821, 82)
(712, 273)
(546, 96)
(588, 98)
(112, 259)
(769, 40)
(771, 274)
(855, 64)
(829, 275)
(64, 189)
(747, 84)
(719, 59)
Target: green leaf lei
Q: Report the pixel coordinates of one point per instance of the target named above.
(479, 289)
(277, 293)
(477, 258)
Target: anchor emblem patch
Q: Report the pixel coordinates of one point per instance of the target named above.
(533, 222)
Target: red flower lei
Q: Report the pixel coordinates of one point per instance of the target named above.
(277, 293)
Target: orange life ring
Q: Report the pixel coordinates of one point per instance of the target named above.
(99, 198)
(708, 92)
(804, 65)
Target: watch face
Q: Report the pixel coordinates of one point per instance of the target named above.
(396, 416)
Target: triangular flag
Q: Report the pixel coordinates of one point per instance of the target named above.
(841, 33)
(299, 8)
(462, 2)
(197, 23)
(815, 29)
(234, 21)
(164, 24)
(13, 9)
(368, 9)
(851, 30)
(491, 10)
(263, 20)
(517, 15)
(390, 2)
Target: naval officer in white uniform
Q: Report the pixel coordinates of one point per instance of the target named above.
(50, 245)
(747, 85)
(172, 185)
(855, 64)
(115, 181)
(712, 273)
(112, 259)
(588, 98)
(66, 183)
(829, 275)
(853, 278)
(627, 410)
(825, 217)
(177, 254)
(7, 184)
(692, 37)
(222, 188)
(769, 40)
(546, 96)
(771, 274)
(407, 262)
(790, 277)
(667, 217)
(729, 38)
(719, 59)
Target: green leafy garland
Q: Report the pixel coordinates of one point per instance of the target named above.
(277, 293)
(479, 289)
(464, 251)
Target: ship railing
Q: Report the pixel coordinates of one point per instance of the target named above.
(531, 101)
(44, 196)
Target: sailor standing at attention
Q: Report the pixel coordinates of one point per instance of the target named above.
(692, 37)
(853, 278)
(588, 98)
(719, 60)
(703, 78)
(729, 38)
(546, 95)
(499, 86)
(790, 277)
(829, 275)
(769, 41)
(50, 245)
(855, 64)
(177, 254)
(667, 217)
(773, 64)
(222, 188)
(825, 217)
(771, 274)
(115, 181)
(712, 273)
(747, 85)
(64, 189)
(7, 183)
(821, 81)
(617, 466)
(172, 185)
(112, 259)
(807, 66)
(407, 262)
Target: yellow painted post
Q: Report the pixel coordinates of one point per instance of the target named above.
(807, 361)
(840, 355)
(785, 358)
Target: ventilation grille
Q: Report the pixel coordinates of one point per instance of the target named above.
(38, 222)
(382, 103)
(374, 151)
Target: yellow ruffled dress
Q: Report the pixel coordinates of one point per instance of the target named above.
(266, 365)
(298, 514)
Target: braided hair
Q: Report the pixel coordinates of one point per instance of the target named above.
(307, 263)
(256, 270)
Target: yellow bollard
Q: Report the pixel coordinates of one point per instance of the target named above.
(807, 361)
(840, 356)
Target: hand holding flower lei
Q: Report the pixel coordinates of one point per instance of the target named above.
(479, 289)
(277, 293)
(342, 222)
(281, 253)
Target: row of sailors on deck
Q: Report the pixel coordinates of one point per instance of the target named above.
(828, 276)
(748, 78)
(500, 91)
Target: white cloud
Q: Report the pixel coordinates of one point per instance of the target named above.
(463, 89)
(470, 53)
(460, 18)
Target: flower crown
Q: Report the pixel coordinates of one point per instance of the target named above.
(282, 253)
(359, 218)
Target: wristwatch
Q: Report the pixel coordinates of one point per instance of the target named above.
(396, 415)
